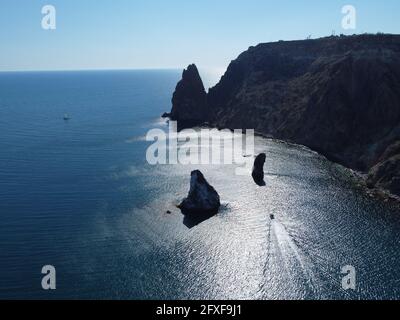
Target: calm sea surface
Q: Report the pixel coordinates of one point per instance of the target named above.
(80, 195)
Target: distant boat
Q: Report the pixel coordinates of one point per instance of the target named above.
(272, 217)
(66, 117)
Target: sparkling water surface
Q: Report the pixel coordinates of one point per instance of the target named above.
(80, 195)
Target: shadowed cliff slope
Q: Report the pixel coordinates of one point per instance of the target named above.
(338, 95)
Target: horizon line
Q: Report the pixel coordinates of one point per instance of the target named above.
(94, 69)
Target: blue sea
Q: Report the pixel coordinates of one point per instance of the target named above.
(80, 195)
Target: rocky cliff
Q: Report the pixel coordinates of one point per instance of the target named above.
(338, 95)
(189, 102)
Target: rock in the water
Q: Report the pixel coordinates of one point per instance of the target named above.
(165, 115)
(258, 169)
(189, 102)
(202, 198)
(339, 96)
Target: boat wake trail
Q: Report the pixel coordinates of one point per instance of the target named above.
(285, 258)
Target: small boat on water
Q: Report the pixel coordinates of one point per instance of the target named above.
(272, 217)
(66, 117)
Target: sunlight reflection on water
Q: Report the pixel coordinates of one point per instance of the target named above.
(241, 253)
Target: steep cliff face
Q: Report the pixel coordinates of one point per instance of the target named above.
(189, 102)
(338, 95)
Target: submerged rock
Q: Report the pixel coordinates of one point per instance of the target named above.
(202, 198)
(258, 169)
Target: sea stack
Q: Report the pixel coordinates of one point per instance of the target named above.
(258, 169)
(338, 95)
(202, 198)
(189, 101)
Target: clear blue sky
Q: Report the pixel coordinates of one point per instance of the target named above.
(128, 34)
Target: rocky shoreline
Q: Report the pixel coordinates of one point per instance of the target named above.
(339, 96)
(360, 178)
